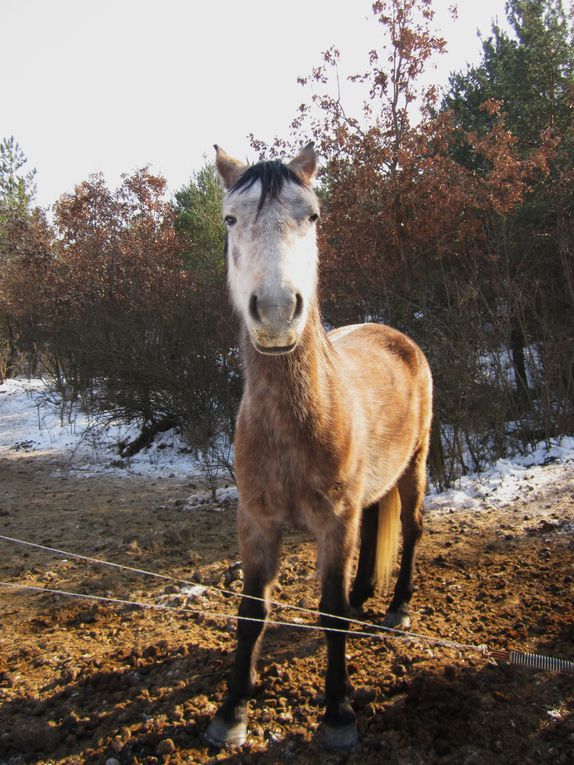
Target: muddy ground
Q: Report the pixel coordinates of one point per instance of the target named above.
(87, 682)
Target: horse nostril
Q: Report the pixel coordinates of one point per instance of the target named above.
(298, 306)
(253, 312)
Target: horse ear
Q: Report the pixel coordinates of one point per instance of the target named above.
(228, 168)
(305, 163)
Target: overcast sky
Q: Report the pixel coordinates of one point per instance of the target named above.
(113, 85)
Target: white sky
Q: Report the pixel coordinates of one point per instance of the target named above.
(113, 85)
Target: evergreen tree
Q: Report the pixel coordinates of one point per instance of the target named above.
(531, 75)
(17, 189)
(199, 222)
(24, 242)
(529, 79)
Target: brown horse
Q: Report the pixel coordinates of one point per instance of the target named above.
(332, 430)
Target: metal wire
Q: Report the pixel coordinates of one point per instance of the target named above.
(312, 612)
(519, 658)
(181, 609)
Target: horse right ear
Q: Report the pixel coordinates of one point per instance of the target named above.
(228, 168)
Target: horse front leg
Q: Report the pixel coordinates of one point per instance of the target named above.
(338, 728)
(259, 546)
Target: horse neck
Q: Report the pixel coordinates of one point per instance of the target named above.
(296, 387)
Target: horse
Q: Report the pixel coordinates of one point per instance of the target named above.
(332, 433)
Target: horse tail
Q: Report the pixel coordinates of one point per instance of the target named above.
(388, 532)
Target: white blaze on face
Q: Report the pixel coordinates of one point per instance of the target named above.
(272, 261)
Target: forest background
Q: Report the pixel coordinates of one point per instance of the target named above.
(447, 215)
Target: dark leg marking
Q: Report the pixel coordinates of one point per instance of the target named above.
(338, 728)
(364, 585)
(411, 487)
(229, 726)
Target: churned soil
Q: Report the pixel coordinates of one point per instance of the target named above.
(96, 682)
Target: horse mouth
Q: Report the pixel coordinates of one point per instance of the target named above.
(275, 350)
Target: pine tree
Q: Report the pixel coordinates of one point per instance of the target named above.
(530, 74)
(17, 188)
(199, 223)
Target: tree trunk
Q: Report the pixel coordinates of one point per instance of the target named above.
(517, 341)
(12, 357)
(147, 435)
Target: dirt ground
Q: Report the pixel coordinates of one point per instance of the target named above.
(86, 682)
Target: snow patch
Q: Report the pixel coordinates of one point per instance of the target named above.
(31, 425)
(223, 497)
(508, 480)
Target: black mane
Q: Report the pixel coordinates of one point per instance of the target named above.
(272, 174)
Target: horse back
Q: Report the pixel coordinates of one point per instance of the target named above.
(382, 350)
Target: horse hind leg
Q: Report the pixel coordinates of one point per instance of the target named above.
(364, 584)
(379, 543)
(411, 487)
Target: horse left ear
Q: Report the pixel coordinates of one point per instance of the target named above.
(305, 163)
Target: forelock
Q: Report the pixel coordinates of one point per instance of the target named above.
(272, 175)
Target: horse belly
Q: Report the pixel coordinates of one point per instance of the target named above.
(387, 382)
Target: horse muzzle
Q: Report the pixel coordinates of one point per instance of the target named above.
(275, 322)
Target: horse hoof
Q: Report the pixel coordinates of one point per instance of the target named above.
(345, 737)
(219, 733)
(397, 620)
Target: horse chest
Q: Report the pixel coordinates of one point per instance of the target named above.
(291, 476)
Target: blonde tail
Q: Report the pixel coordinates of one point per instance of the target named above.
(387, 537)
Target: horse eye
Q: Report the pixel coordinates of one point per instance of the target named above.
(314, 217)
(229, 220)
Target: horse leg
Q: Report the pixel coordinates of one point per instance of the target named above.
(259, 549)
(411, 487)
(364, 585)
(336, 547)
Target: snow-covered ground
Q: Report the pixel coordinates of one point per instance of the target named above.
(509, 479)
(30, 426)
(33, 426)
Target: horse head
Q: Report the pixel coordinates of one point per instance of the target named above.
(270, 211)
